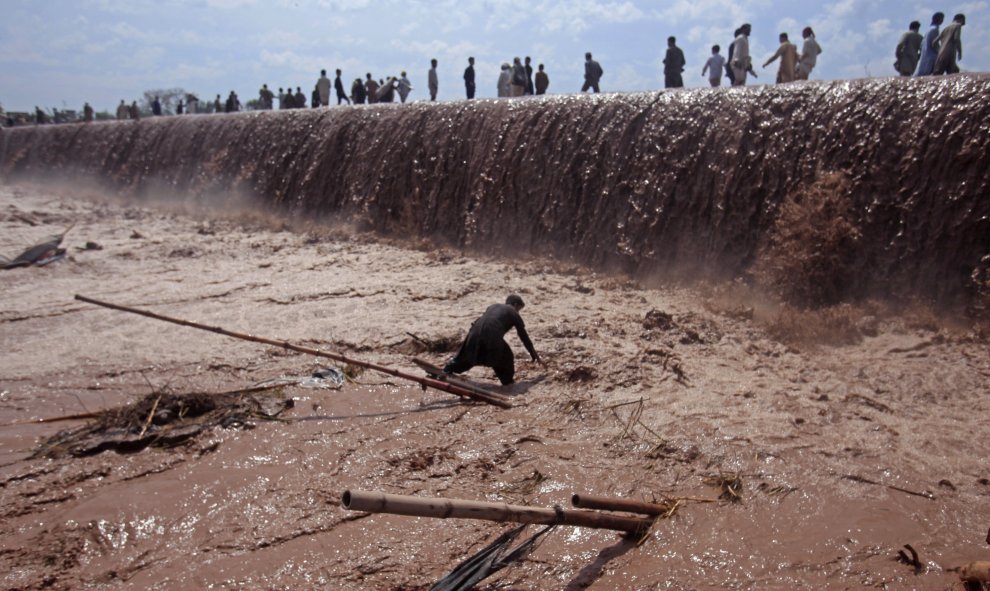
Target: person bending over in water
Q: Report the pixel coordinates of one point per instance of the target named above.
(485, 343)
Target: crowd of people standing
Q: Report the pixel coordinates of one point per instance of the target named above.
(739, 64)
(935, 53)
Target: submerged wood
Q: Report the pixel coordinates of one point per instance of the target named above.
(377, 502)
(617, 504)
(488, 398)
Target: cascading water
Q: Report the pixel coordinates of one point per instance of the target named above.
(685, 183)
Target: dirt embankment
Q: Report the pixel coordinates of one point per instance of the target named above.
(838, 454)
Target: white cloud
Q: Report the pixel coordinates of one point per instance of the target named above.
(879, 29)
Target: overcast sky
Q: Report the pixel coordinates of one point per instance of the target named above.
(60, 53)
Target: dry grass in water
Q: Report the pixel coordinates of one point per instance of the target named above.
(729, 484)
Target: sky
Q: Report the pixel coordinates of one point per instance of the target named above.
(62, 53)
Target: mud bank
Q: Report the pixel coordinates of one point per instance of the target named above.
(674, 183)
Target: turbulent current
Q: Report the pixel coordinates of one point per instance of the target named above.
(686, 183)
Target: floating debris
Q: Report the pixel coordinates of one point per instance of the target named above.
(730, 484)
(165, 420)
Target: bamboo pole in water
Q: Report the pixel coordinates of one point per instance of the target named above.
(489, 398)
(616, 504)
(377, 502)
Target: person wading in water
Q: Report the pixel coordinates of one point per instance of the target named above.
(485, 344)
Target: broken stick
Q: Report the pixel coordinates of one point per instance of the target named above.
(488, 398)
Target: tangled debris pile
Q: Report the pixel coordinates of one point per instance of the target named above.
(165, 420)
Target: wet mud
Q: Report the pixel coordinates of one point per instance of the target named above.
(665, 184)
(797, 463)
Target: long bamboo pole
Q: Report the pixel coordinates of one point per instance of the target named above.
(618, 504)
(489, 398)
(377, 502)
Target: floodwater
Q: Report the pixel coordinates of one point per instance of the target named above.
(780, 288)
(845, 452)
(688, 183)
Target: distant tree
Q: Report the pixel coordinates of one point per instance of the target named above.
(168, 97)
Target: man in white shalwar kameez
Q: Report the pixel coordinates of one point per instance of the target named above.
(741, 62)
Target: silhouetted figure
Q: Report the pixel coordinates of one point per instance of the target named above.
(729, 72)
(192, 104)
(180, 108)
(371, 89)
(314, 98)
(135, 112)
(299, 100)
(323, 86)
(528, 62)
(673, 65)
(386, 91)
(266, 97)
(485, 343)
(505, 81)
(156, 107)
(518, 77)
(542, 82)
(338, 85)
(404, 87)
(592, 74)
(357, 92)
(217, 105)
(39, 116)
(432, 82)
(122, 111)
(950, 47)
(929, 47)
(787, 52)
(714, 67)
(469, 85)
(87, 113)
(233, 104)
(908, 50)
(809, 55)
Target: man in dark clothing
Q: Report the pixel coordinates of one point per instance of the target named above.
(542, 81)
(673, 65)
(592, 74)
(156, 107)
(485, 343)
(338, 85)
(371, 89)
(300, 99)
(530, 90)
(469, 86)
(358, 93)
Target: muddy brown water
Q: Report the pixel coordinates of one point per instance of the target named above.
(834, 445)
(654, 184)
(586, 206)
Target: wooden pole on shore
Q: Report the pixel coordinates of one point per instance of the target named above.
(377, 502)
(486, 397)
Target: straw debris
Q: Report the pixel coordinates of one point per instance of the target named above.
(164, 420)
